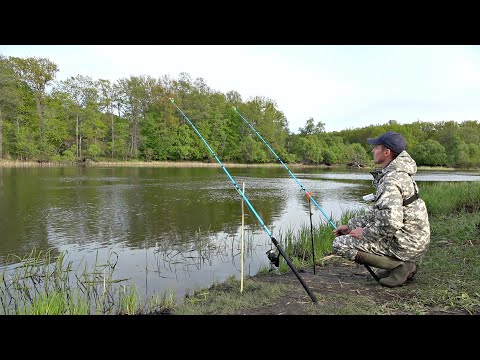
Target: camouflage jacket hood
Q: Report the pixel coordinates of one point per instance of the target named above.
(404, 230)
(402, 163)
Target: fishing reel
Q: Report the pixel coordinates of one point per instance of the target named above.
(274, 257)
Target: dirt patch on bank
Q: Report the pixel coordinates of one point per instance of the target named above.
(340, 287)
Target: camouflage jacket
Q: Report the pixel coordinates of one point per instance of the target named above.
(406, 229)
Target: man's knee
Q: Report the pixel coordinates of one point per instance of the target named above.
(335, 246)
(342, 246)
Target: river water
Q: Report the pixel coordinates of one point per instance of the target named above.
(171, 229)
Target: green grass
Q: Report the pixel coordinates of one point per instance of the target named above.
(447, 198)
(225, 298)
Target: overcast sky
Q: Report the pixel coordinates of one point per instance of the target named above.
(343, 86)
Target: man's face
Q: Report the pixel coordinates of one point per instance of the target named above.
(380, 154)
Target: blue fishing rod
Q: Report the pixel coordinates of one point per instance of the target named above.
(286, 168)
(275, 242)
(299, 183)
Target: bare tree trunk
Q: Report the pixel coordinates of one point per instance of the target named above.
(18, 134)
(41, 120)
(131, 146)
(76, 137)
(134, 137)
(113, 137)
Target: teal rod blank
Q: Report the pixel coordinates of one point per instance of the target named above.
(275, 242)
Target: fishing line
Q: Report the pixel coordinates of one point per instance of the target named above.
(299, 183)
(275, 242)
(286, 168)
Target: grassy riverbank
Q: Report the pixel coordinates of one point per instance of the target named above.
(448, 280)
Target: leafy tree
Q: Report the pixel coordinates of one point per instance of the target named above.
(37, 73)
(251, 151)
(135, 93)
(81, 98)
(430, 153)
(233, 97)
(310, 128)
(474, 155)
(447, 135)
(10, 95)
(262, 114)
(308, 150)
(109, 101)
(469, 131)
(357, 156)
(58, 135)
(460, 154)
(335, 150)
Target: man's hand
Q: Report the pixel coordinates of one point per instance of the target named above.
(357, 233)
(341, 230)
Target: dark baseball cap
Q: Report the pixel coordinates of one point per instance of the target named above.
(392, 140)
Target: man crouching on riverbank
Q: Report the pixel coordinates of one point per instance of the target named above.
(394, 235)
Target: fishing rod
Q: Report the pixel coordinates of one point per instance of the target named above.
(298, 182)
(286, 168)
(275, 242)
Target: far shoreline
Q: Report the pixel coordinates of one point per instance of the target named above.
(178, 164)
(186, 164)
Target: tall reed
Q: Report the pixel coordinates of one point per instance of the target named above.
(40, 284)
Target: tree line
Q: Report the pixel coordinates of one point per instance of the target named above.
(45, 119)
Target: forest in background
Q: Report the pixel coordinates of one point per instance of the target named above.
(44, 119)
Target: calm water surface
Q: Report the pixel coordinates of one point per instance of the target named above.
(170, 229)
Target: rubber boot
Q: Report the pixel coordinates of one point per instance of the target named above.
(382, 273)
(385, 273)
(399, 275)
(394, 273)
(382, 262)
